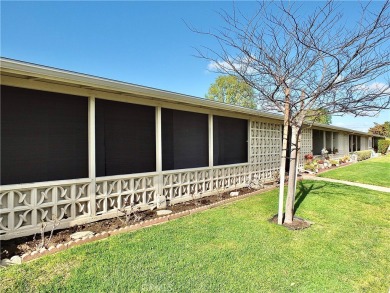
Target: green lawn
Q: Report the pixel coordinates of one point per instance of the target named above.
(233, 249)
(373, 171)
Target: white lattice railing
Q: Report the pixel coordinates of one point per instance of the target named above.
(231, 177)
(177, 185)
(111, 194)
(24, 209)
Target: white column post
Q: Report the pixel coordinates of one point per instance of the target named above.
(211, 141)
(324, 138)
(92, 154)
(159, 182)
(356, 142)
(211, 151)
(331, 140)
(249, 145)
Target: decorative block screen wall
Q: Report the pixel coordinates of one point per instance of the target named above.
(112, 194)
(185, 184)
(26, 208)
(265, 148)
(306, 145)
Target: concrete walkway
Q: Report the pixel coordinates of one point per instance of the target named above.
(367, 186)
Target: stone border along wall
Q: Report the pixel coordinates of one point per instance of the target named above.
(25, 207)
(148, 223)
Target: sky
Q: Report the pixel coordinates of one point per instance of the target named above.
(145, 43)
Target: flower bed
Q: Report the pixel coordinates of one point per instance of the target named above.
(323, 163)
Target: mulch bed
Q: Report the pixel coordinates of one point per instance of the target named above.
(28, 244)
(297, 224)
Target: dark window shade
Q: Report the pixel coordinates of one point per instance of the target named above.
(230, 137)
(44, 136)
(358, 143)
(184, 139)
(318, 141)
(125, 138)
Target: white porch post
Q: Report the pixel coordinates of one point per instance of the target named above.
(159, 183)
(324, 138)
(350, 143)
(211, 142)
(211, 151)
(331, 140)
(356, 143)
(92, 154)
(249, 149)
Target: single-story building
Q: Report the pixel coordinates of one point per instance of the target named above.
(75, 146)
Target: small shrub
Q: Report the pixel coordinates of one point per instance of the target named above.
(310, 167)
(363, 155)
(334, 162)
(383, 146)
(309, 156)
(344, 159)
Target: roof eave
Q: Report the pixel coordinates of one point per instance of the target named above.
(54, 74)
(49, 73)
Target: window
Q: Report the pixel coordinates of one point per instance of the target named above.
(184, 139)
(230, 137)
(44, 136)
(125, 138)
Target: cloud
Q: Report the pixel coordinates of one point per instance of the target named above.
(379, 86)
(242, 66)
(375, 86)
(218, 66)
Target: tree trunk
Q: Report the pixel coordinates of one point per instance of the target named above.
(283, 170)
(292, 176)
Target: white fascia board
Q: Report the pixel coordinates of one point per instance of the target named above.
(340, 129)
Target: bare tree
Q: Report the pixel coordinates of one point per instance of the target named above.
(300, 62)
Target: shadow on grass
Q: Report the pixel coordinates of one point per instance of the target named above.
(303, 191)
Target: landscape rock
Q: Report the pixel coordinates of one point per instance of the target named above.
(234, 193)
(16, 259)
(5, 262)
(80, 235)
(163, 212)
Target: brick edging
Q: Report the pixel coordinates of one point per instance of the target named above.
(134, 227)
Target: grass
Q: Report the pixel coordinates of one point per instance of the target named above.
(233, 249)
(374, 171)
